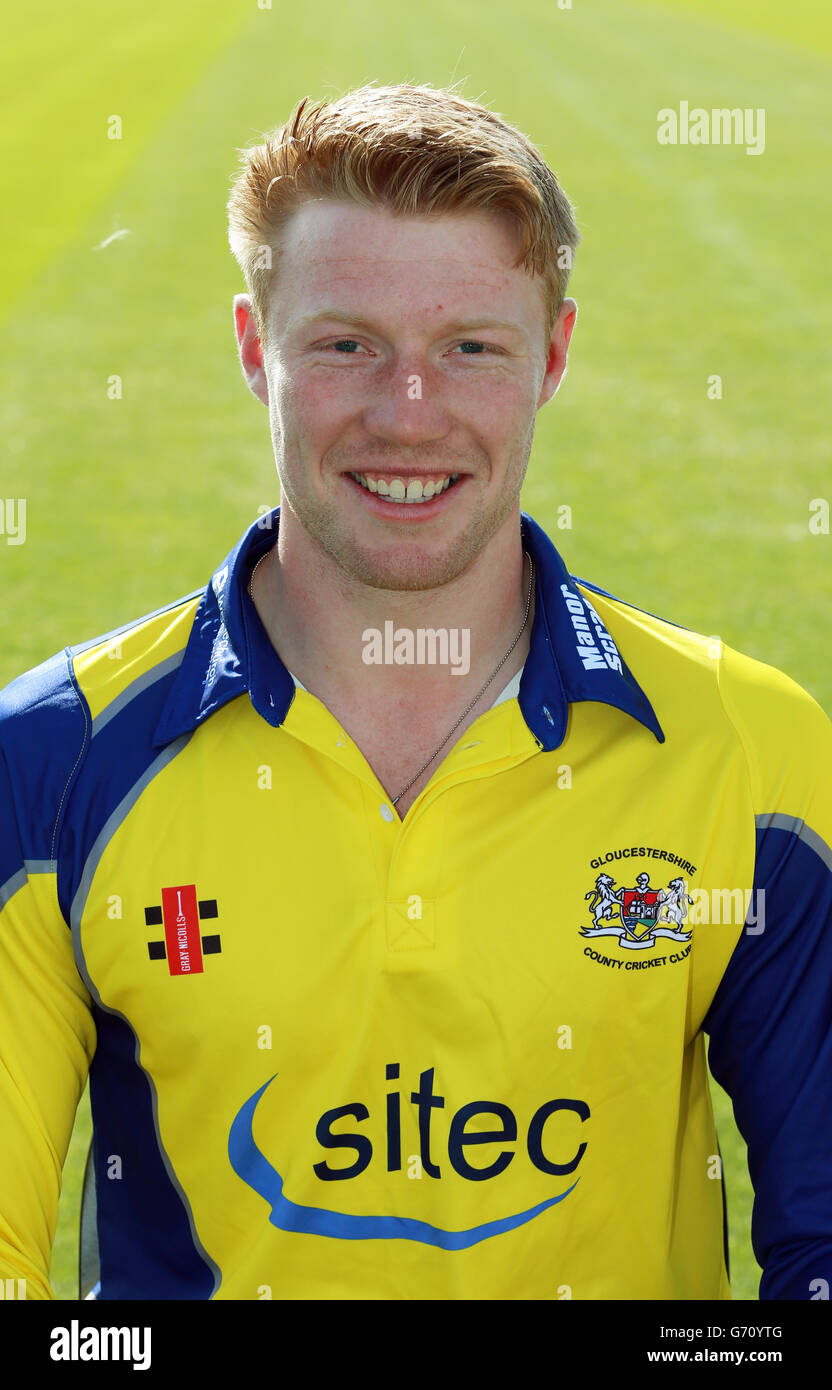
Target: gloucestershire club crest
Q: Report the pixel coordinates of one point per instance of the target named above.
(643, 913)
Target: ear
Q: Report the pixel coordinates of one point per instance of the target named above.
(558, 349)
(249, 347)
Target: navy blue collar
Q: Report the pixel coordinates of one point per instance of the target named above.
(572, 656)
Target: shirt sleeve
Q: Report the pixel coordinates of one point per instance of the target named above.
(47, 1034)
(770, 1021)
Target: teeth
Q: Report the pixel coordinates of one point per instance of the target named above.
(415, 492)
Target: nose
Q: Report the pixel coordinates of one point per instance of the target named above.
(407, 406)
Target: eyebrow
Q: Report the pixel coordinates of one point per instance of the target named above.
(358, 321)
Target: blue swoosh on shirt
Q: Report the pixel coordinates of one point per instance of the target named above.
(255, 1170)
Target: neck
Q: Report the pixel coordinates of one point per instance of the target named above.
(317, 617)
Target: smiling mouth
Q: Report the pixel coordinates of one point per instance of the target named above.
(411, 490)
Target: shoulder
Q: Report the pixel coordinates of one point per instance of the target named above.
(92, 675)
(112, 670)
(49, 714)
(659, 644)
(702, 687)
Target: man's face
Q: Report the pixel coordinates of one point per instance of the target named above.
(376, 367)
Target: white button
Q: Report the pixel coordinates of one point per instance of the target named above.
(386, 811)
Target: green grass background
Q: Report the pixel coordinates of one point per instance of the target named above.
(695, 260)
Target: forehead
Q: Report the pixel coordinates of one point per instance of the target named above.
(372, 254)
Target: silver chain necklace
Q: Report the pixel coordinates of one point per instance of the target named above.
(476, 697)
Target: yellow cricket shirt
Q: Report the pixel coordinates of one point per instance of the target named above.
(335, 1055)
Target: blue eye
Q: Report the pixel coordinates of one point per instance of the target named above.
(468, 343)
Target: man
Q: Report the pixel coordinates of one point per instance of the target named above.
(318, 916)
